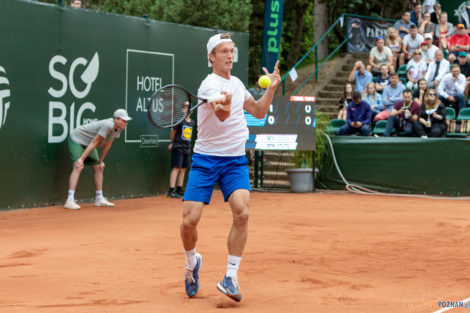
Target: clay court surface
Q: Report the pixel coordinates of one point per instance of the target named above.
(321, 252)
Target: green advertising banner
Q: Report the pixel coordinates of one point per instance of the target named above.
(62, 67)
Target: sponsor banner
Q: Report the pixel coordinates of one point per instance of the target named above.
(272, 33)
(362, 33)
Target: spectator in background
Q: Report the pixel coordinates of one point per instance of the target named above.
(418, 94)
(432, 116)
(358, 119)
(392, 93)
(371, 96)
(383, 80)
(256, 91)
(444, 29)
(410, 4)
(436, 70)
(404, 113)
(464, 18)
(429, 50)
(411, 42)
(416, 15)
(456, 43)
(428, 6)
(427, 26)
(344, 101)
(415, 70)
(360, 75)
(451, 89)
(394, 42)
(380, 55)
(76, 3)
(465, 70)
(436, 14)
(403, 25)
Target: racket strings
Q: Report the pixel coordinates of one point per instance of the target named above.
(169, 106)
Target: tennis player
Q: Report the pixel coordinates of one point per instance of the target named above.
(83, 144)
(219, 156)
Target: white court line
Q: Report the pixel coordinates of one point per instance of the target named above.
(450, 308)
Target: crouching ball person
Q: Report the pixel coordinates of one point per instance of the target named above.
(219, 156)
(83, 143)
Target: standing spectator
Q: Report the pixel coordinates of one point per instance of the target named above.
(360, 75)
(256, 91)
(344, 101)
(428, 49)
(380, 55)
(76, 3)
(444, 29)
(427, 26)
(394, 42)
(358, 119)
(436, 14)
(432, 116)
(456, 43)
(465, 70)
(383, 80)
(451, 89)
(436, 70)
(428, 6)
(416, 15)
(374, 99)
(411, 42)
(403, 25)
(180, 148)
(415, 70)
(392, 93)
(418, 94)
(464, 17)
(402, 116)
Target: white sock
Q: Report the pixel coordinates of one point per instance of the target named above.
(99, 194)
(71, 195)
(232, 265)
(190, 258)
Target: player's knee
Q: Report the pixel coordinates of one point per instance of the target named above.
(188, 225)
(241, 218)
(78, 168)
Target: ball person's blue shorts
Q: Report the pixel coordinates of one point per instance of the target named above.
(206, 170)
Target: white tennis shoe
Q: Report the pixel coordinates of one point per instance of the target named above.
(103, 202)
(71, 205)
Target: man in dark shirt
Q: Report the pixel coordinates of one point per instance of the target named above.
(358, 117)
(402, 116)
(180, 148)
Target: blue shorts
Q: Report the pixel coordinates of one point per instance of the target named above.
(206, 170)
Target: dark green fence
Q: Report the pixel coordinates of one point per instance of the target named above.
(61, 67)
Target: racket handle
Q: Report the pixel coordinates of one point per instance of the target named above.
(216, 98)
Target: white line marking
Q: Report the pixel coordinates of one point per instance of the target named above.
(450, 308)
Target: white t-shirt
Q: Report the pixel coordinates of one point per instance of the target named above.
(381, 58)
(85, 133)
(225, 138)
(412, 44)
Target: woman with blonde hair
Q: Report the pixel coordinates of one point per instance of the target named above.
(432, 116)
(394, 42)
(444, 29)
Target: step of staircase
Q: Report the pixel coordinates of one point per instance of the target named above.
(334, 87)
(329, 94)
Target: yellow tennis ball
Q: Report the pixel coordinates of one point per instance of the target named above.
(264, 81)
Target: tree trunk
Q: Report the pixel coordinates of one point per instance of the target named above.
(294, 53)
(319, 27)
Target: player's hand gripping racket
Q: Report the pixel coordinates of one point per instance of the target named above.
(171, 104)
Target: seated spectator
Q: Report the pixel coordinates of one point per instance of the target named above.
(444, 29)
(383, 80)
(436, 14)
(416, 14)
(403, 25)
(380, 55)
(436, 70)
(426, 26)
(358, 119)
(432, 116)
(451, 89)
(411, 42)
(410, 4)
(402, 116)
(256, 91)
(428, 49)
(344, 101)
(428, 7)
(415, 70)
(419, 93)
(394, 42)
(360, 75)
(392, 93)
(374, 99)
(76, 3)
(456, 43)
(465, 70)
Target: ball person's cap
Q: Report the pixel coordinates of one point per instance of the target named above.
(213, 42)
(122, 114)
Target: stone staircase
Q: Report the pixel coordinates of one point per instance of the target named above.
(330, 91)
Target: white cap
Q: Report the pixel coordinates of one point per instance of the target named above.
(213, 42)
(428, 35)
(122, 114)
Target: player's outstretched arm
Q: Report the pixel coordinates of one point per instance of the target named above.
(259, 108)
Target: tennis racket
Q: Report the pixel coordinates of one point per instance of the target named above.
(171, 104)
